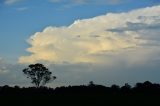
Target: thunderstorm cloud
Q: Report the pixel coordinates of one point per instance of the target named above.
(97, 39)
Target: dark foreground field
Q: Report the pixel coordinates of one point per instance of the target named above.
(142, 94)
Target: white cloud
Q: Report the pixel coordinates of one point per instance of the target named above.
(10, 2)
(91, 40)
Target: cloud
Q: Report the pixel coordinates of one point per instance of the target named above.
(89, 40)
(70, 3)
(119, 73)
(22, 8)
(11, 74)
(82, 2)
(136, 27)
(64, 4)
(10, 2)
(109, 49)
(3, 70)
(55, 1)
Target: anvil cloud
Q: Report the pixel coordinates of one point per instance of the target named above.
(88, 40)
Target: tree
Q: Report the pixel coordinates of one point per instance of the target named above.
(91, 83)
(39, 74)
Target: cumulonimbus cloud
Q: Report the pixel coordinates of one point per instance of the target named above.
(85, 40)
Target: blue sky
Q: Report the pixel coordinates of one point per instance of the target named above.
(21, 19)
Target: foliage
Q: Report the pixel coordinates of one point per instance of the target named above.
(39, 74)
(143, 94)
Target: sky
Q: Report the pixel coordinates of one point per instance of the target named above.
(104, 41)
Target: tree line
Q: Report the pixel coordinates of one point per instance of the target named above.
(145, 93)
(141, 93)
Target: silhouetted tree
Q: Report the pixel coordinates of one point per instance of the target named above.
(127, 86)
(147, 84)
(91, 83)
(39, 74)
(115, 87)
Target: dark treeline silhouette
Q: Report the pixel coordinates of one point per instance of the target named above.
(92, 94)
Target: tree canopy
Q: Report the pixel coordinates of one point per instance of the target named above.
(39, 74)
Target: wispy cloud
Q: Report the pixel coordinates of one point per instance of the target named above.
(69, 3)
(91, 40)
(89, 1)
(56, 1)
(22, 8)
(10, 2)
(72, 3)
